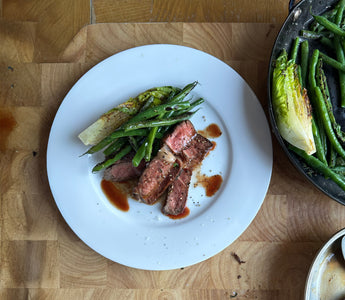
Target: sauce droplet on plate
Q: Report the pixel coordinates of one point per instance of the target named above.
(211, 184)
(211, 131)
(115, 195)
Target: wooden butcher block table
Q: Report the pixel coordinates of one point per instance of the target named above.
(44, 49)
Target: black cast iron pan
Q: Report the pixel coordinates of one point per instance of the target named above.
(300, 18)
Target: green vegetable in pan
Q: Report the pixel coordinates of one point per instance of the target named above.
(327, 30)
(291, 105)
(317, 165)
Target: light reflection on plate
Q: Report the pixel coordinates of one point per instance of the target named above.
(143, 237)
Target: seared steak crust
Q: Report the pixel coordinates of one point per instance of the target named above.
(178, 193)
(158, 175)
(172, 167)
(196, 151)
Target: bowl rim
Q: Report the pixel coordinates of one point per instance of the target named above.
(316, 262)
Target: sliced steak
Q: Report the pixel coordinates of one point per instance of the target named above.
(124, 170)
(177, 193)
(180, 137)
(183, 148)
(157, 176)
(194, 153)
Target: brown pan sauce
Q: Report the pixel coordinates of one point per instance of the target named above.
(118, 193)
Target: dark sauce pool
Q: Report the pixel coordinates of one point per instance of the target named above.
(115, 195)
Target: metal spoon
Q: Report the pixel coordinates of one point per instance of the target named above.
(343, 246)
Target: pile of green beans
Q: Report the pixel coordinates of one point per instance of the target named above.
(143, 132)
(329, 30)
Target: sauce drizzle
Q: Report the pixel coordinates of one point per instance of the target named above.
(211, 184)
(115, 195)
(211, 131)
(119, 197)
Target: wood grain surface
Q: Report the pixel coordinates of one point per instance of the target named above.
(45, 47)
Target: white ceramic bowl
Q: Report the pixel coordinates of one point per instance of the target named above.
(326, 276)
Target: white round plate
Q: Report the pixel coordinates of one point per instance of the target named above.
(143, 237)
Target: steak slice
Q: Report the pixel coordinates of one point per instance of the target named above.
(123, 169)
(178, 193)
(157, 176)
(180, 137)
(194, 153)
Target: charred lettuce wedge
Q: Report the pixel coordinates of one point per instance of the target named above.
(291, 106)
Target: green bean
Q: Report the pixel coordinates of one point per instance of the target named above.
(312, 84)
(342, 42)
(315, 26)
(114, 146)
(341, 58)
(119, 143)
(332, 157)
(133, 142)
(150, 140)
(339, 14)
(312, 69)
(326, 42)
(110, 138)
(294, 50)
(153, 134)
(156, 111)
(320, 151)
(332, 62)
(304, 61)
(148, 122)
(322, 83)
(339, 170)
(175, 97)
(185, 91)
(329, 25)
(139, 155)
(317, 165)
(173, 94)
(107, 163)
(155, 123)
(192, 106)
(196, 103)
(323, 114)
(340, 161)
